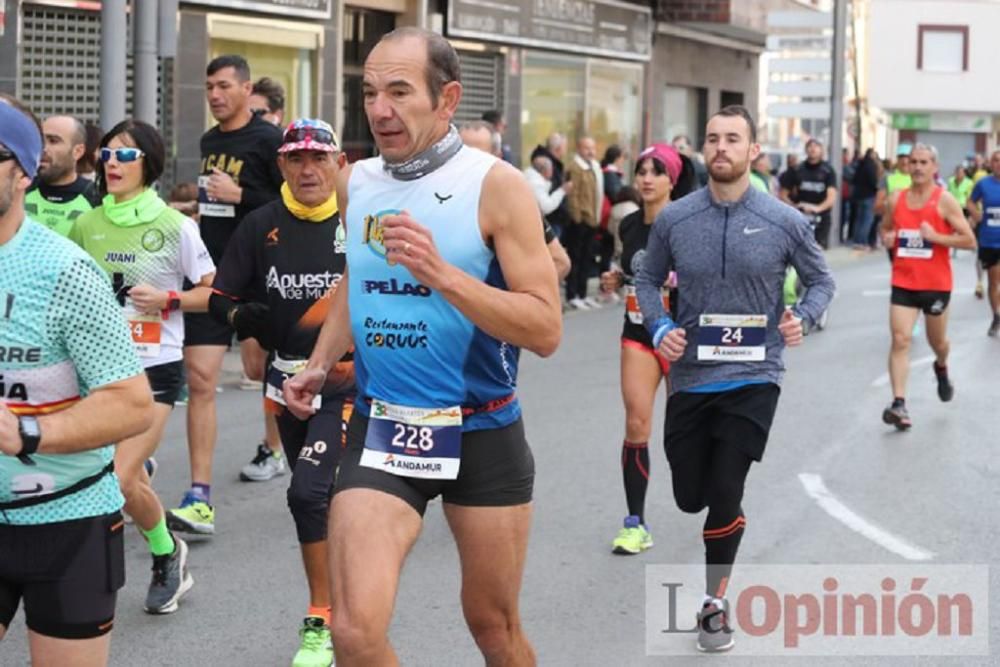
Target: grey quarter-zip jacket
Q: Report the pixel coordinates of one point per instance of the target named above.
(731, 259)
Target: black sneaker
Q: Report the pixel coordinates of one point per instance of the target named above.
(896, 415)
(171, 580)
(994, 329)
(945, 389)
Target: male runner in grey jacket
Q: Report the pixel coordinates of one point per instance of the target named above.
(730, 246)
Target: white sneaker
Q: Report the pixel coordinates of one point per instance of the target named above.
(265, 466)
(593, 303)
(246, 384)
(579, 304)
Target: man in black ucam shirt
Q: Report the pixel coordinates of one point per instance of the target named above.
(239, 173)
(812, 188)
(274, 284)
(59, 195)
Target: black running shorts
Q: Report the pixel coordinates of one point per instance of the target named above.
(202, 329)
(930, 302)
(742, 417)
(166, 381)
(497, 470)
(989, 257)
(67, 573)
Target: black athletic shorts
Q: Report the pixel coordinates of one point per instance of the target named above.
(497, 470)
(67, 573)
(930, 302)
(741, 416)
(202, 329)
(989, 257)
(166, 381)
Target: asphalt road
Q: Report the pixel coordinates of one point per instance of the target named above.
(930, 495)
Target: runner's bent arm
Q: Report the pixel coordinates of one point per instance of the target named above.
(110, 414)
(888, 225)
(656, 266)
(809, 262)
(962, 237)
(976, 205)
(529, 313)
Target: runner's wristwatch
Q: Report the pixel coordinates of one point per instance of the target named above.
(31, 436)
(173, 303)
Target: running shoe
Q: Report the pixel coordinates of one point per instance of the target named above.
(945, 389)
(979, 291)
(994, 327)
(264, 466)
(246, 384)
(578, 304)
(171, 580)
(714, 633)
(316, 649)
(896, 415)
(593, 303)
(633, 538)
(193, 516)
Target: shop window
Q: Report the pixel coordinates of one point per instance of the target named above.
(943, 48)
(614, 107)
(552, 99)
(685, 112)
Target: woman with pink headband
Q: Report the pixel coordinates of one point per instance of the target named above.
(661, 175)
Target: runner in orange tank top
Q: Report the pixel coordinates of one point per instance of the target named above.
(921, 225)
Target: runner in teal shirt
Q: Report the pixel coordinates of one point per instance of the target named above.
(71, 387)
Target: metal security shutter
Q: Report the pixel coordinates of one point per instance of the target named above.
(61, 70)
(482, 84)
(60, 64)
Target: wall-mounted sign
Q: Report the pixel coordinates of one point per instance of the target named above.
(942, 122)
(317, 9)
(598, 27)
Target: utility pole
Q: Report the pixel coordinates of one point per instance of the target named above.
(114, 27)
(837, 109)
(145, 15)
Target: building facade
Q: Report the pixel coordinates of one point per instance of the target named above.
(935, 80)
(625, 73)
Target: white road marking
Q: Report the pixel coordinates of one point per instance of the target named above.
(883, 380)
(815, 487)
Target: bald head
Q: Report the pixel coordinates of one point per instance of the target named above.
(477, 134)
(65, 143)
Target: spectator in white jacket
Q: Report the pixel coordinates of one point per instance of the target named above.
(539, 176)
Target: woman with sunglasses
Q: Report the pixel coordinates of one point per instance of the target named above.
(661, 174)
(148, 249)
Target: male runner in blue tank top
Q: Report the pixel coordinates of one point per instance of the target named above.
(447, 275)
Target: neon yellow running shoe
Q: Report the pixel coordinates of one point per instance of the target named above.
(316, 649)
(633, 538)
(193, 516)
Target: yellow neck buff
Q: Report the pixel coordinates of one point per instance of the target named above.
(311, 213)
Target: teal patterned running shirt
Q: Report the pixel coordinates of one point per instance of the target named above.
(62, 335)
